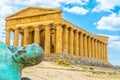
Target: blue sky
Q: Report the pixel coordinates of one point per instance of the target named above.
(95, 16)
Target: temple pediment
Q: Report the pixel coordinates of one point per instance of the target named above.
(33, 11)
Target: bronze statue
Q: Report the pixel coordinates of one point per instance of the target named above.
(14, 59)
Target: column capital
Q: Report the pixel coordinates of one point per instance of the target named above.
(7, 30)
(76, 31)
(25, 27)
(85, 35)
(81, 33)
(58, 24)
(71, 29)
(36, 28)
(47, 25)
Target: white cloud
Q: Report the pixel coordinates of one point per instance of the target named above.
(115, 45)
(5, 9)
(2, 34)
(113, 42)
(106, 5)
(110, 22)
(76, 10)
(81, 2)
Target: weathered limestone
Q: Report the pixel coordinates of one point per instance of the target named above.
(76, 43)
(71, 42)
(102, 51)
(59, 39)
(99, 50)
(65, 40)
(16, 36)
(106, 53)
(81, 45)
(85, 46)
(47, 40)
(36, 35)
(93, 48)
(7, 37)
(26, 36)
(46, 28)
(89, 47)
(22, 39)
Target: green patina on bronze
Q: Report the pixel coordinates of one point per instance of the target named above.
(14, 59)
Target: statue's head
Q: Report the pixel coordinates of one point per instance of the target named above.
(29, 55)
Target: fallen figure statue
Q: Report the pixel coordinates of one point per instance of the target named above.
(14, 59)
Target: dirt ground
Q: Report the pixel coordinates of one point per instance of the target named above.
(52, 71)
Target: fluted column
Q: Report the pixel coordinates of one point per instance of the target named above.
(26, 36)
(102, 54)
(85, 46)
(106, 53)
(22, 39)
(81, 45)
(31, 37)
(71, 42)
(98, 50)
(65, 40)
(37, 35)
(58, 39)
(47, 39)
(16, 36)
(89, 47)
(76, 43)
(93, 48)
(8, 37)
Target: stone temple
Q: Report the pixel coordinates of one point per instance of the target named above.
(46, 27)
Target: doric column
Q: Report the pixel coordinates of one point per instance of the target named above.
(98, 50)
(22, 39)
(65, 40)
(100, 58)
(102, 54)
(81, 45)
(71, 42)
(58, 39)
(16, 37)
(8, 37)
(26, 36)
(89, 47)
(76, 43)
(85, 46)
(31, 37)
(106, 53)
(47, 39)
(93, 48)
(37, 35)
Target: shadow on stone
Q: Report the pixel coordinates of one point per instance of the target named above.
(25, 78)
